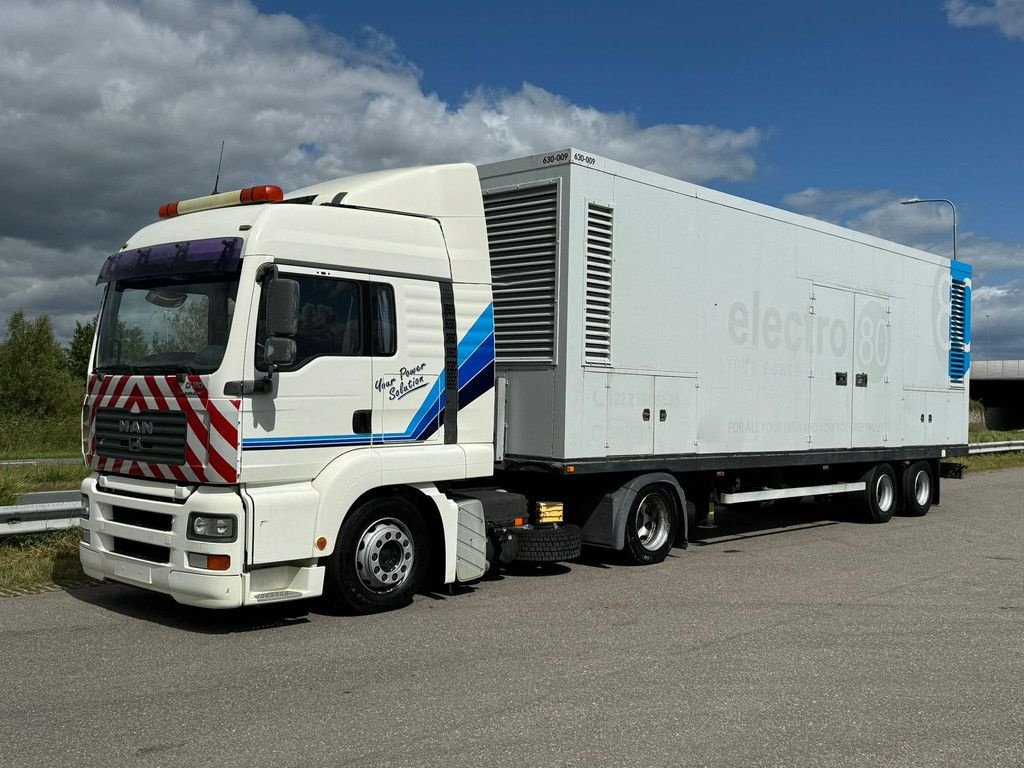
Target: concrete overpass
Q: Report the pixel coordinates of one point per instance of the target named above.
(999, 385)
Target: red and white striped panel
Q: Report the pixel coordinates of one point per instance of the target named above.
(212, 426)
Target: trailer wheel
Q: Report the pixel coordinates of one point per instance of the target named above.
(651, 525)
(918, 482)
(879, 493)
(380, 558)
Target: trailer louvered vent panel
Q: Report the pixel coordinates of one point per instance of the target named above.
(598, 337)
(522, 237)
(959, 330)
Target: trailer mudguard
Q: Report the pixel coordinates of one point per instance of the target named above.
(606, 525)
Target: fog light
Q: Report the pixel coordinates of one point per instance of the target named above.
(84, 511)
(86, 537)
(211, 527)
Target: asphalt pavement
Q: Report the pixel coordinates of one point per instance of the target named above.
(791, 635)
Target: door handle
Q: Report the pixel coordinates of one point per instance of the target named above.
(362, 422)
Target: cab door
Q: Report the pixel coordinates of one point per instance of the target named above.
(322, 403)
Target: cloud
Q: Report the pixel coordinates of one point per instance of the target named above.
(877, 212)
(998, 282)
(1005, 15)
(112, 107)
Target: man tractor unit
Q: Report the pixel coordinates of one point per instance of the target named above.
(408, 377)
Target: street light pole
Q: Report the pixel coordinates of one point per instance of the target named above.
(988, 336)
(915, 200)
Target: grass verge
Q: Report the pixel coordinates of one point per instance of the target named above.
(987, 462)
(40, 558)
(19, 479)
(23, 436)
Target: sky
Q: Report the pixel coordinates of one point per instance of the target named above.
(110, 108)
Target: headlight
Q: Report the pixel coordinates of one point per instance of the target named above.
(84, 511)
(211, 527)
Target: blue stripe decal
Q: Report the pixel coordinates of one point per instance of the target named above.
(476, 377)
(477, 334)
(959, 320)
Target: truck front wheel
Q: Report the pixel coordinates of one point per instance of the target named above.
(651, 525)
(380, 558)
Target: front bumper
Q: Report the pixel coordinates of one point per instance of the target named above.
(141, 540)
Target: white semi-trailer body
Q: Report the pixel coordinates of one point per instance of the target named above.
(412, 374)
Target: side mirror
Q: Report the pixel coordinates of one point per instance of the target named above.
(282, 307)
(278, 351)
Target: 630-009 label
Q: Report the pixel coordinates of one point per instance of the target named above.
(561, 157)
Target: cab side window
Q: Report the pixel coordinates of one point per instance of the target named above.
(337, 318)
(382, 319)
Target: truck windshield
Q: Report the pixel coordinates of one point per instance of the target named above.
(166, 325)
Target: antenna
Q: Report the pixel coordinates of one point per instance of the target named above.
(219, 162)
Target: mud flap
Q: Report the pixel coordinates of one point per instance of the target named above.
(471, 550)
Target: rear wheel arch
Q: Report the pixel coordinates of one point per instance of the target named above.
(625, 497)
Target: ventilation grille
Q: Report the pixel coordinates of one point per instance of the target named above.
(523, 240)
(959, 340)
(598, 337)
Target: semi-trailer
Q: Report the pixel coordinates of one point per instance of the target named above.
(414, 375)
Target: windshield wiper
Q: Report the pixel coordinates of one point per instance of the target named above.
(167, 368)
(121, 369)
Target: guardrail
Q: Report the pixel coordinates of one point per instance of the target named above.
(1005, 446)
(51, 511)
(39, 512)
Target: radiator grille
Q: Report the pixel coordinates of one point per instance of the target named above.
(522, 235)
(155, 437)
(598, 338)
(959, 350)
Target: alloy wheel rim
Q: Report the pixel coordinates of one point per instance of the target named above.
(652, 521)
(384, 555)
(922, 488)
(885, 493)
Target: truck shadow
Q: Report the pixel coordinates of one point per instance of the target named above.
(161, 609)
(774, 519)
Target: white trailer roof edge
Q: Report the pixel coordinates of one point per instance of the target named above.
(585, 159)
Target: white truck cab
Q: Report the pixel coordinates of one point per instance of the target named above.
(265, 373)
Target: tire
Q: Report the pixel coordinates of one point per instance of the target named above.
(879, 499)
(548, 545)
(918, 484)
(651, 525)
(380, 559)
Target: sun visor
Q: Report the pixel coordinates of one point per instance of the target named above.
(192, 257)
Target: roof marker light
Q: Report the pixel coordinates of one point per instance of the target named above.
(264, 193)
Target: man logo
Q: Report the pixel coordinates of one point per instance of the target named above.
(135, 444)
(134, 427)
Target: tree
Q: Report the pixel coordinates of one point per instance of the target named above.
(78, 350)
(33, 370)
